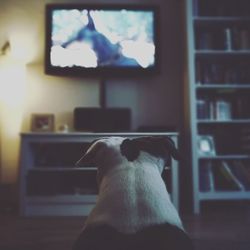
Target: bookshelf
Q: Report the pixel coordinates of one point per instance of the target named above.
(218, 98)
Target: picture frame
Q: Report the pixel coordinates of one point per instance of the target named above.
(206, 146)
(42, 122)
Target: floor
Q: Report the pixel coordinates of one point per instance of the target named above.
(219, 227)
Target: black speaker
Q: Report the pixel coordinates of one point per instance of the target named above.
(102, 119)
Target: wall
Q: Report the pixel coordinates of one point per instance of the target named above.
(25, 89)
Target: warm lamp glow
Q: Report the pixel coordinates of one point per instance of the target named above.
(12, 100)
(22, 48)
(12, 85)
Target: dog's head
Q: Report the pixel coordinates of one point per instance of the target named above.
(109, 153)
(157, 146)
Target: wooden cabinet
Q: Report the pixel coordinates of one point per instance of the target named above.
(50, 184)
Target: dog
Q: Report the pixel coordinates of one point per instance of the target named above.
(133, 209)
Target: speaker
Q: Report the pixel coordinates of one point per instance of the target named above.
(102, 119)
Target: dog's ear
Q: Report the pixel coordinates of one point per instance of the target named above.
(170, 146)
(159, 146)
(89, 157)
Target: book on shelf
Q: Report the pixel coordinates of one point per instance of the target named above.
(243, 72)
(206, 75)
(223, 180)
(205, 41)
(230, 75)
(198, 73)
(244, 39)
(228, 39)
(237, 38)
(220, 110)
(242, 172)
(216, 109)
(210, 8)
(223, 110)
(224, 39)
(212, 112)
(211, 72)
(206, 179)
(226, 169)
(224, 176)
(245, 139)
(242, 107)
(203, 109)
(216, 73)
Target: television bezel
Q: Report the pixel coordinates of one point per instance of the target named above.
(101, 71)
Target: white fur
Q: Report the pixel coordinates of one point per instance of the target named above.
(132, 194)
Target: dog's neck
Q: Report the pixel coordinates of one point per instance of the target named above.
(133, 195)
(153, 161)
(120, 163)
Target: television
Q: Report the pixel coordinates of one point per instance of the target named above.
(101, 40)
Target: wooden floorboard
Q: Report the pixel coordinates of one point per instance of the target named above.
(218, 228)
(221, 226)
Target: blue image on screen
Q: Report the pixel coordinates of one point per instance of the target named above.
(102, 38)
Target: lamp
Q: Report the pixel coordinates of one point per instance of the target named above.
(5, 48)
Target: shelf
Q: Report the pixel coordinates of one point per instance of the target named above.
(225, 195)
(212, 53)
(46, 169)
(61, 169)
(73, 198)
(225, 157)
(222, 86)
(235, 121)
(217, 19)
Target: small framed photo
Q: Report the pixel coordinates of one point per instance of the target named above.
(42, 122)
(206, 145)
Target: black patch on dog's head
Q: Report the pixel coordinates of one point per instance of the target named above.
(129, 149)
(158, 146)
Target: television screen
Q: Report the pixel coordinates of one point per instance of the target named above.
(105, 39)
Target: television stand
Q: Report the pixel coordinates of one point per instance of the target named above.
(103, 93)
(51, 185)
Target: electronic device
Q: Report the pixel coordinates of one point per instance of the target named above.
(102, 119)
(102, 39)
